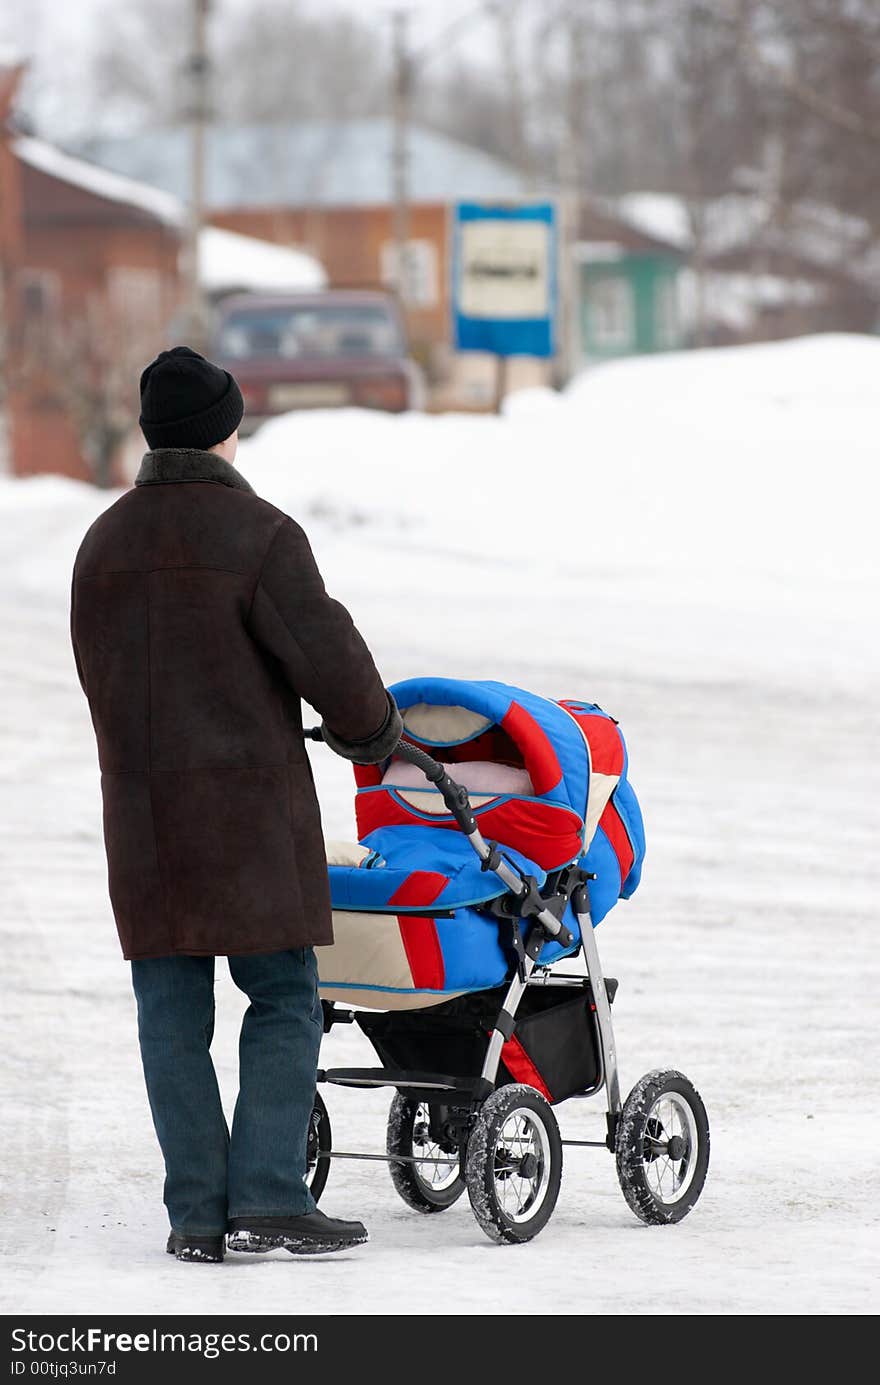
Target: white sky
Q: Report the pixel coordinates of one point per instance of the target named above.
(45, 22)
(429, 20)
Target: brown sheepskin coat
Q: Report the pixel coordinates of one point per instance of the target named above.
(199, 619)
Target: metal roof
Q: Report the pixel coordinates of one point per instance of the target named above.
(310, 163)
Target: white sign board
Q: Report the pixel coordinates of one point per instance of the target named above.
(504, 269)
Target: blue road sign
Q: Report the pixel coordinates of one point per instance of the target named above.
(504, 279)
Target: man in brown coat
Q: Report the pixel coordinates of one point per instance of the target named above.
(199, 619)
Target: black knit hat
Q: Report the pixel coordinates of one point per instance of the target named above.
(187, 401)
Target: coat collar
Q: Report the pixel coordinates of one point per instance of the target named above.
(165, 464)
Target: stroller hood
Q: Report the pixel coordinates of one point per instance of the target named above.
(574, 800)
(547, 781)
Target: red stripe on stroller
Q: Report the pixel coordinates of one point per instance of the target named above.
(521, 1067)
(419, 935)
(612, 825)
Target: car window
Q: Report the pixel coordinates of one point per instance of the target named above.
(313, 331)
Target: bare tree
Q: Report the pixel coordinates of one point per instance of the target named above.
(713, 118)
(507, 16)
(83, 363)
(286, 62)
(823, 54)
(135, 77)
(819, 60)
(97, 362)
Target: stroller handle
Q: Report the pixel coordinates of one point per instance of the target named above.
(456, 799)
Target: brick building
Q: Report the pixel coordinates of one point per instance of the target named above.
(90, 278)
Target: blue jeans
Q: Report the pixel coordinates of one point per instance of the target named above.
(260, 1169)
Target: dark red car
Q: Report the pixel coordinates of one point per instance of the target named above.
(324, 350)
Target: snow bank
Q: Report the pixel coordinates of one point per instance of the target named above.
(704, 514)
(534, 399)
(830, 372)
(710, 510)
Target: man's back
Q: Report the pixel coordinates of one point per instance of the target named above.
(198, 619)
(163, 585)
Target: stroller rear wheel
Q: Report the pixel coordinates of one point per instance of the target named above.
(434, 1183)
(662, 1147)
(320, 1141)
(514, 1164)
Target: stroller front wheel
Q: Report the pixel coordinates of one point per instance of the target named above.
(662, 1147)
(434, 1183)
(514, 1164)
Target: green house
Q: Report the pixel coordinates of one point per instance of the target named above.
(626, 289)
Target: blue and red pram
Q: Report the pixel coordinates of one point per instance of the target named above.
(499, 833)
(409, 918)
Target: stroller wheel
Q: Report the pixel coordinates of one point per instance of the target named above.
(662, 1147)
(514, 1164)
(434, 1183)
(320, 1141)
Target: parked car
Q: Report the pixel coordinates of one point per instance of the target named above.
(328, 349)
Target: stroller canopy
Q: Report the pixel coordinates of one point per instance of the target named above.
(572, 753)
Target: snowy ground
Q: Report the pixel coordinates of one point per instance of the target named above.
(690, 542)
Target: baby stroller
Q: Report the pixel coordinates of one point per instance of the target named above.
(491, 843)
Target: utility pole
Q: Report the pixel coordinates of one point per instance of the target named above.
(197, 72)
(404, 64)
(401, 91)
(506, 15)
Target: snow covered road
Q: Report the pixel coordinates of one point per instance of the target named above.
(727, 616)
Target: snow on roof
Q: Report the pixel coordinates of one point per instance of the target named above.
(115, 187)
(657, 214)
(228, 260)
(310, 163)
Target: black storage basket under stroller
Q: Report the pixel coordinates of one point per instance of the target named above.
(553, 1045)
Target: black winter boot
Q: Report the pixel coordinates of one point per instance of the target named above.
(312, 1234)
(208, 1250)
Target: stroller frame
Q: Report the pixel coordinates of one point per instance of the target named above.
(630, 1132)
(432, 1084)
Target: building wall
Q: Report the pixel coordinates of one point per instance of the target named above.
(10, 247)
(117, 287)
(629, 306)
